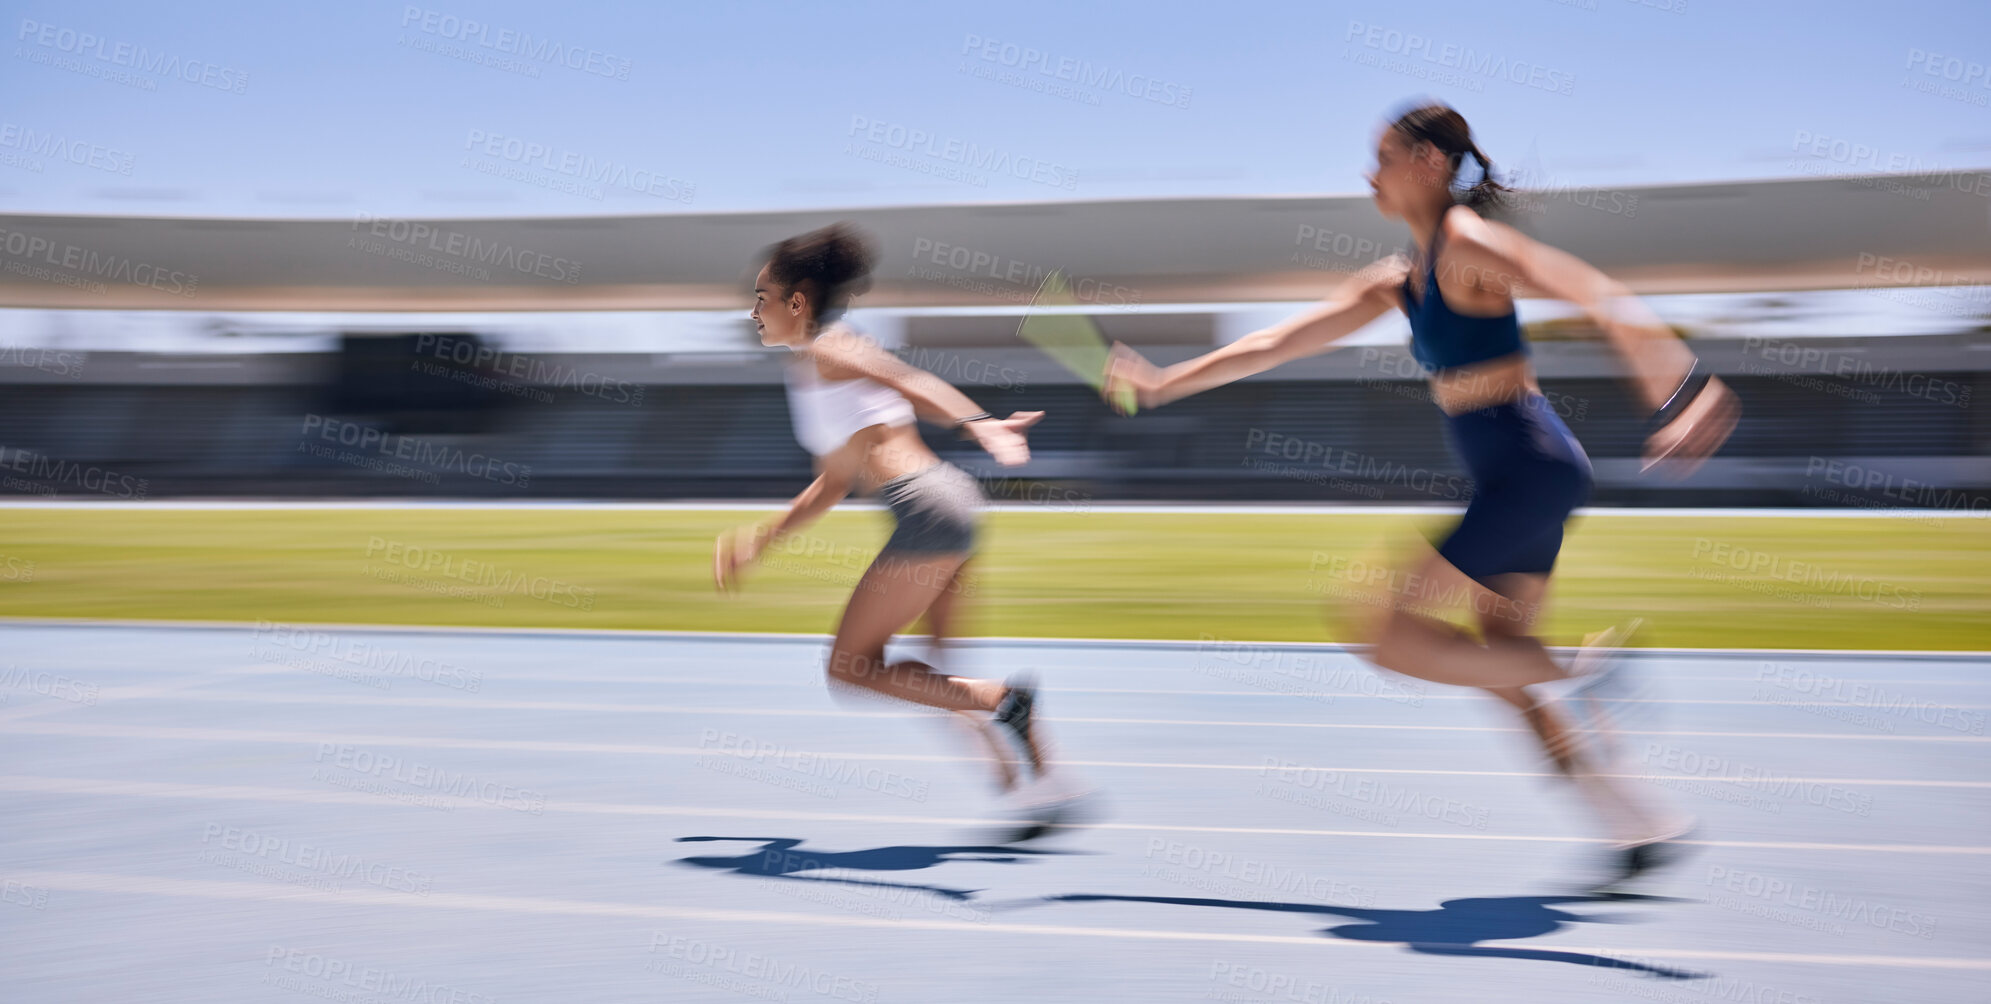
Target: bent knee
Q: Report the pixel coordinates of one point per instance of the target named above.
(848, 666)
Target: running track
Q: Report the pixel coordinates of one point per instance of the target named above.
(222, 814)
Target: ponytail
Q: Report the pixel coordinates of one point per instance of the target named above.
(1443, 127)
(1487, 195)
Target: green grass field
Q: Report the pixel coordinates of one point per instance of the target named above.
(1802, 583)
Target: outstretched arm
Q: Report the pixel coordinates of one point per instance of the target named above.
(1361, 299)
(740, 547)
(1661, 364)
(843, 354)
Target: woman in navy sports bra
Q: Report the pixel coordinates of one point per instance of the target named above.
(1529, 471)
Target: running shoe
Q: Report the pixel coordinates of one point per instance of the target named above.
(1605, 676)
(1015, 711)
(1044, 818)
(1628, 864)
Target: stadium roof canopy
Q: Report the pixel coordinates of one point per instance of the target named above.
(1818, 233)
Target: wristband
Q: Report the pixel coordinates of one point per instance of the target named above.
(980, 416)
(1690, 388)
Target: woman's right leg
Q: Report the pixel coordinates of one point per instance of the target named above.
(1628, 814)
(1411, 641)
(940, 624)
(894, 592)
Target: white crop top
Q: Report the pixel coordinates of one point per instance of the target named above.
(827, 413)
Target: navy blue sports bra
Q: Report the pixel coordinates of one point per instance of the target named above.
(1441, 338)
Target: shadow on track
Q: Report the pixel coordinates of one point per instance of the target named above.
(1455, 928)
(777, 857)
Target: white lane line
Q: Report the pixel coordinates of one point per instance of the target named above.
(211, 792)
(297, 895)
(336, 739)
(492, 704)
(1400, 696)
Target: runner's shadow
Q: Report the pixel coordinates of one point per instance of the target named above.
(1455, 928)
(778, 858)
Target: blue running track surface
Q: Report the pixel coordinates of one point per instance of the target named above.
(221, 814)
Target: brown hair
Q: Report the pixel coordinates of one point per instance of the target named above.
(829, 266)
(1443, 127)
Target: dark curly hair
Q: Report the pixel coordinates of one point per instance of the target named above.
(1443, 127)
(828, 266)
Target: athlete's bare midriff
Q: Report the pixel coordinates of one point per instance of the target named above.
(1482, 385)
(877, 454)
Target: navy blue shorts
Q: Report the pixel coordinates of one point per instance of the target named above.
(1529, 473)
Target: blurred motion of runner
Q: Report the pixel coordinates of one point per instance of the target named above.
(853, 406)
(1528, 470)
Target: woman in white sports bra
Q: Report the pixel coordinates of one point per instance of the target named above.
(853, 406)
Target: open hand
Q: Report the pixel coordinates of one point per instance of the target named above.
(1003, 437)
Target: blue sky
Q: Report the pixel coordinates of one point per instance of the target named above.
(332, 109)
